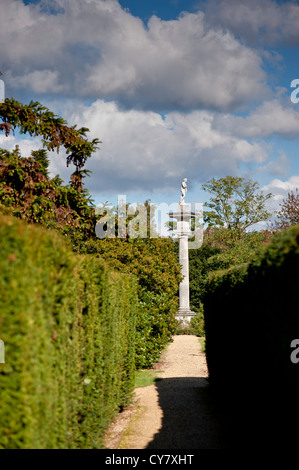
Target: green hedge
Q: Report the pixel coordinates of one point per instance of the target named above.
(68, 324)
(154, 263)
(251, 317)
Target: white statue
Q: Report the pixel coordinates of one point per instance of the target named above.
(183, 190)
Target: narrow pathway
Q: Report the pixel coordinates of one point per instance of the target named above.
(176, 412)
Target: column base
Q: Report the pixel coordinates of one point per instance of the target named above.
(184, 316)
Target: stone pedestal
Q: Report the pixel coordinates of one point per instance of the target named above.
(183, 216)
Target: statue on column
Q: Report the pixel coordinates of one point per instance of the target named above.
(183, 190)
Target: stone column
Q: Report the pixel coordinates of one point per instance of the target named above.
(183, 216)
(2, 91)
(184, 262)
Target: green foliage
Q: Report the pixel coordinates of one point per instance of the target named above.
(288, 214)
(198, 271)
(154, 327)
(195, 327)
(153, 261)
(27, 191)
(36, 120)
(73, 328)
(126, 221)
(197, 324)
(25, 187)
(40, 156)
(222, 249)
(68, 324)
(251, 318)
(35, 198)
(236, 204)
(233, 250)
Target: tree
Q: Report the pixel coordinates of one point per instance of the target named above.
(220, 251)
(41, 157)
(289, 212)
(236, 204)
(27, 192)
(36, 120)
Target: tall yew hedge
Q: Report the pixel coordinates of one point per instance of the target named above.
(251, 318)
(68, 324)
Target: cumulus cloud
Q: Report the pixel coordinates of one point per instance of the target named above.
(39, 81)
(25, 145)
(267, 22)
(179, 63)
(193, 69)
(145, 151)
(270, 118)
(280, 189)
(279, 166)
(95, 49)
(141, 151)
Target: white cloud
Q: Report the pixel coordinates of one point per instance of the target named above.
(94, 48)
(265, 22)
(270, 118)
(280, 190)
(279, 166)
(141, 151)
(25, 145)
(39, 81)
(179, 63)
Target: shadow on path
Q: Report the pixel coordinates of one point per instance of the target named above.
(190, 417)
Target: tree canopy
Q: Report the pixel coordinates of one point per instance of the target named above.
(27, 192)
(288, 214)
(235, 203)
(37, 120)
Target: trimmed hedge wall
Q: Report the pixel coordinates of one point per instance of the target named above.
(68, 324)
(251, 317)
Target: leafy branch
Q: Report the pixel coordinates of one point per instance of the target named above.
(37, 120)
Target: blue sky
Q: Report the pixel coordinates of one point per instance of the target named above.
(172, 88)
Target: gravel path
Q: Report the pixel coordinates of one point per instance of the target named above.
(176, 412)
